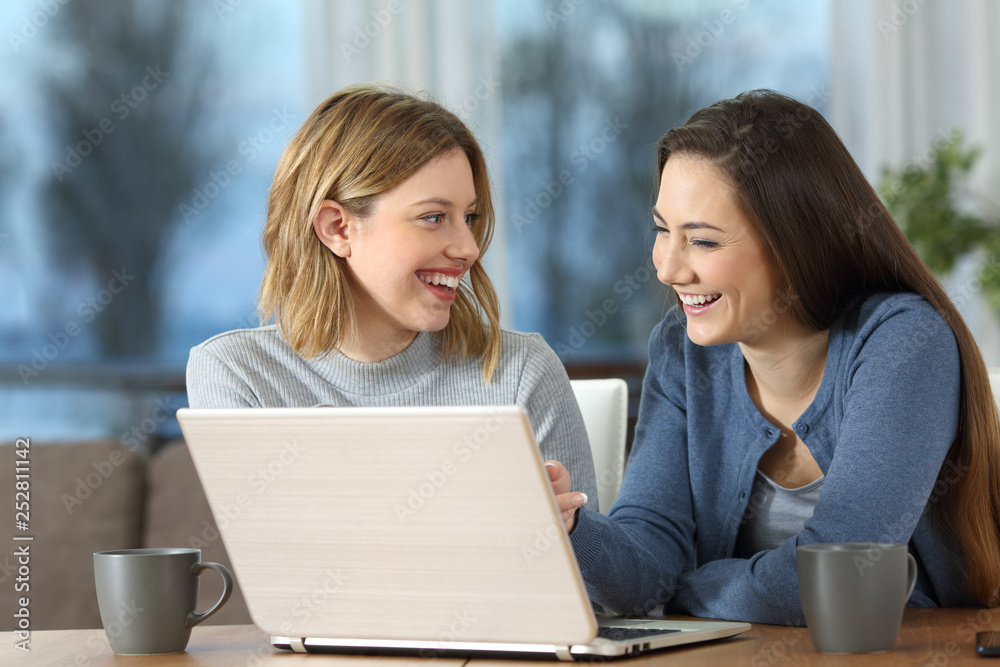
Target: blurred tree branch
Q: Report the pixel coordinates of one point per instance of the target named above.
(127, 103)
(588, 99)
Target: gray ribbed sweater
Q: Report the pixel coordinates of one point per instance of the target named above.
(257, 368)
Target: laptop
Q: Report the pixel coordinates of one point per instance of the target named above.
(426, 531)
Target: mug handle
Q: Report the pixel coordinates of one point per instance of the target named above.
(911, 576)
(194, 618)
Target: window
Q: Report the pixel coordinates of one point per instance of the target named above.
(589, 87)
(144, 136)
(139, 139)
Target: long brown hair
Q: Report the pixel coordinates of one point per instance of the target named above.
(359, 143)
(833, 240)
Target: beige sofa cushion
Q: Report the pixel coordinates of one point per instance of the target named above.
(178, 515)
(84, 497)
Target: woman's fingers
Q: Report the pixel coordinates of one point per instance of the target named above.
(568, 501)
(559, 477)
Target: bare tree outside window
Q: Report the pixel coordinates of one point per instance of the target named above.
(589, 88)
(128, 103)
(8, 157)
(585, 102)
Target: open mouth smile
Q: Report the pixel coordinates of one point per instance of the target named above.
(695, 304)
(698, 299)
(441, 284)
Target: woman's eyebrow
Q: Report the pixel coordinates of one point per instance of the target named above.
(447, 203)
(688, 225)
(440, 201)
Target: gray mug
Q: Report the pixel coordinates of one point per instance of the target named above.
(147, 597)
(853, 594)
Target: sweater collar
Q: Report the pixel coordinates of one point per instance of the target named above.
(389, 376)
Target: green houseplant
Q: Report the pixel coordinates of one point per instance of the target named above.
(926, 197)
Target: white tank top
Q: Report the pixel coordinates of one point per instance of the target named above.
(774, 514)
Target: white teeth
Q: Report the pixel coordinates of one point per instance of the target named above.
(698, 299)
(439, 279)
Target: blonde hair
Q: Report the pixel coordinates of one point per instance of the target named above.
(359, 143)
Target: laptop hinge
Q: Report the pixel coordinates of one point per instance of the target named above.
(297, 644)
(563, 653)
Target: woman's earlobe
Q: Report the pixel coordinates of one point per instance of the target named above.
(333, 227)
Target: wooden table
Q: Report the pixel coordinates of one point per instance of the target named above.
(929, 637)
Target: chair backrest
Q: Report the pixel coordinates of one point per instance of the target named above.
(604, 404)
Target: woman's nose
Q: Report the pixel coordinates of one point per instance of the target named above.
(463, 245)
(671, 263)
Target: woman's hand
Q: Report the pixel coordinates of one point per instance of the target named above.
(569, 501)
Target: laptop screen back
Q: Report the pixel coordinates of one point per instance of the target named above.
(430, 524)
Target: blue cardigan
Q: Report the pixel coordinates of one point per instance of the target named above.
(882, 421)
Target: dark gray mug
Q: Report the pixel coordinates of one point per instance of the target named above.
(853, 594)
(147, 597)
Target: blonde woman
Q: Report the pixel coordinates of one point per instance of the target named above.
(378, 217)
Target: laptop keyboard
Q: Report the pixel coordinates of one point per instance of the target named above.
(618, 633)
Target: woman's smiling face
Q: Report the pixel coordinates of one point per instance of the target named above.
(710, 254)
(405, 261)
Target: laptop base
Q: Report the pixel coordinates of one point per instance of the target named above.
(667, 634)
